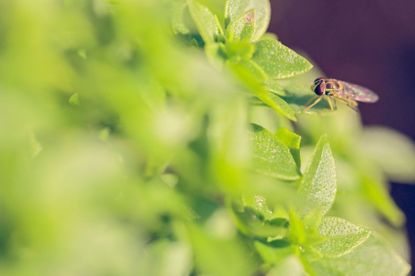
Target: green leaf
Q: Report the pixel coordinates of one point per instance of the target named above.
(377, 193)
(340, 237)
(253, 77)
(240, 51)
(273, 85)
(279, 61)
(297, 228)
(210, 253)
(289, 138)
(179, 24)
(289, 266)
(292, 141)
(271, 157)
(213, 53)
(242, 28)
(391, 151)
(259, 204)
(253, 223)
(278, 104)
(275, 254)
(205, 20)
(319, 182)
(235, 9)
(74, 99)
(372, 258)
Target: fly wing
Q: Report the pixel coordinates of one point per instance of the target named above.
(359, 93)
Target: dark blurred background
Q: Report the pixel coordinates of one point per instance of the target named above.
(368, 42)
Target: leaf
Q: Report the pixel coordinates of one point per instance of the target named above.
(210, 253)
(289, 138)
(340, 237)
(274, 255)
(279, 61)
(212, 51)
(292, 141)
(235, 9)
(271, 157)
(275, 87)
(242, 28)
(391, 151)
(372, 258)
(378, 195)
(289, 266)
(240, 51)
(278, 104)
(74, 99)
(319, 182)
(205, 20)
(252, 76)
(179, 24)
(253, 223)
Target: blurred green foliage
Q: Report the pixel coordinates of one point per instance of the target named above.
(166, 138)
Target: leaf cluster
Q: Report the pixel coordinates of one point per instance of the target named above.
(167, 138)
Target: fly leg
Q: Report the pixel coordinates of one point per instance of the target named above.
(311, 100)
(350, 103)
(332, 103)
(316, 101)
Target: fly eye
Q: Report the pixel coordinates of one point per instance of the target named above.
(318, 90)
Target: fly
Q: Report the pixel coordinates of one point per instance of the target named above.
(333, 90)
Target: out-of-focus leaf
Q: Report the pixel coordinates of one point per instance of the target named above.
(274, 86)
(253, 76)
(377, 193)
(292, 141)
(212, 51)
(179, 23)
(319, 182)
(205, 21)
(210, 252)
(274, 255)
(74, 99)
(255, 219)
(279, 105)
(392, 151)
(279, 61)
(372, 258)
(290, 266)
(289, 138)
(253, 223)
(235, 9)
(240, 51)
(339, 237)
(271, 157)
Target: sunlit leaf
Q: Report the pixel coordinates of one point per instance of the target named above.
(373, 257)
(279, 61)
(205, 21)
(242, 28)
(235, 9)
(319, 182)
(339, 237)
(210, 252)
(271, 157)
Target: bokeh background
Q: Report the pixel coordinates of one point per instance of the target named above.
(369, 42)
